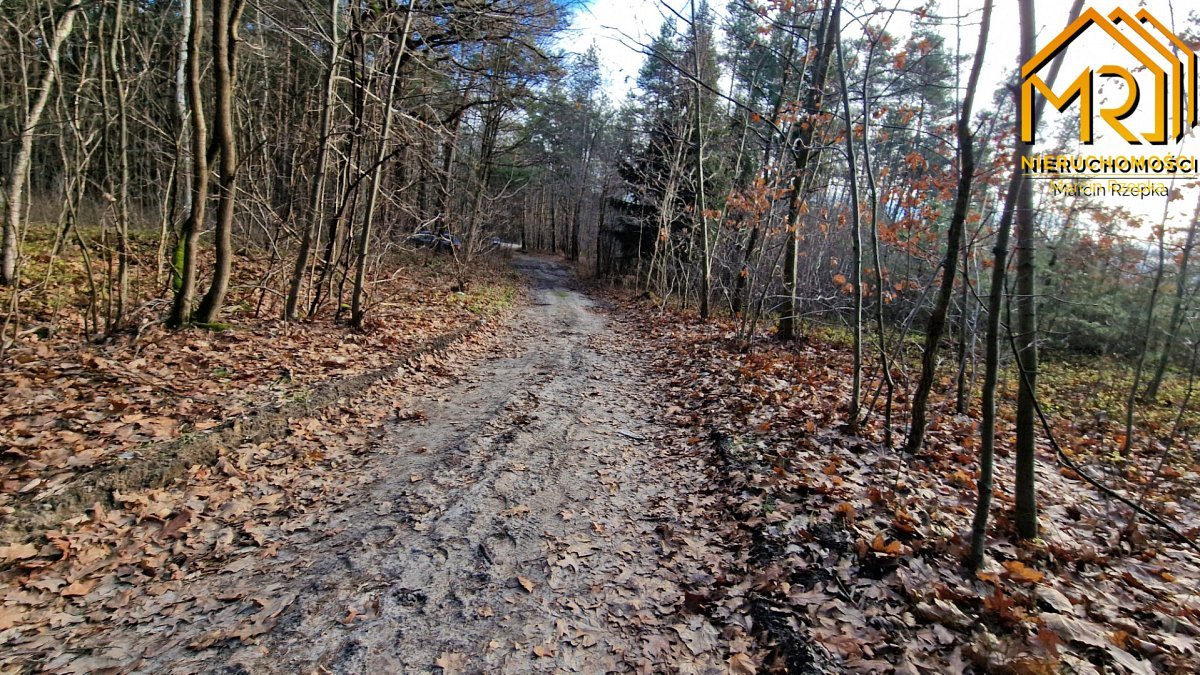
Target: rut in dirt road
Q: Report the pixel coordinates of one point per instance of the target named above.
(522, 519)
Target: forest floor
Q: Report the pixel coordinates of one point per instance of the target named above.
(854, 548)
(515, 513)
(587, 485)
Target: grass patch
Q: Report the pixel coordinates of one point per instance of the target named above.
(1087, 394)
(487, 300)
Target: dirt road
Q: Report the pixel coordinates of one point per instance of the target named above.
(522, 519)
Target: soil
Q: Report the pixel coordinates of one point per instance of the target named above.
(521, 518)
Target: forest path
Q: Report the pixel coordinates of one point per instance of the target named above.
(522, 520)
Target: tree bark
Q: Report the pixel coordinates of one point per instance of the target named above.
(987, 431)
(317, 196)
(1147, 332)
(15, 192)
(855, 245)
(954, 237)
(1181, 285)
(797, 204)
(885, 367)
(701, 202)
(117, 61)
(189, 235)
(1026, 332)
(226, 15)
(358, 307)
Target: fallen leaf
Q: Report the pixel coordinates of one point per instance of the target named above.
(892, 548)
(79, 588)
(173, 526)
(698, 640)
(1055, 599)
(1019, 572)
(17, 552)
(545, 651)
(451, 663)
(11, 615)
(525, 583)
(1076, 630)
(742, 664)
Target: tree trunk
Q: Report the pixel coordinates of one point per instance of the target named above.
(1026, 333)
(1176, 310)
(741, 285)
(954, 237)
(966, 332)
(358, 307)
(991, 366)
(317, 196)
(180, 196)
(885, 367)
(701, 205)
(797, 204)
(855, 242)
(189, 235)
(117, 61)
(15, 197)
(1147, 332)
(226, 14)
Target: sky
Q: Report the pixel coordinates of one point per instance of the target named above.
(614, 26)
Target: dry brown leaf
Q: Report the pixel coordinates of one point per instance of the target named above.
(11, 615)
(1019, 572)
(525, 583)
(1055, 599)
(174, 525)
(742, 664)
(891, 548)
(655, 645)
(79, 588)
(545, 651)
(17, 552)
(698, 640)
(451, 663)
(1076, 630)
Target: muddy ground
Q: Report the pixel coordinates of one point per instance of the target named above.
(517, 516)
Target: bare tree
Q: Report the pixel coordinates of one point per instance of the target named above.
(954, 238)
(14, 197)
(189, 236)
(1177, 309)
(358, 307)
(1026, 485)
(855, 246)
(801, 144)
(315, 213)
(226, 16)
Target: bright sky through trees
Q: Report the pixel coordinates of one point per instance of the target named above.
(616, 28)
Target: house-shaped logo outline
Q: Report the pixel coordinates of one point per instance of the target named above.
(1191, 67)
(1185, 110)
(1162, 89)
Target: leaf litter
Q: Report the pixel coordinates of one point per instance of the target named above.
(744, 531)
(539, 538)
(850, 553)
